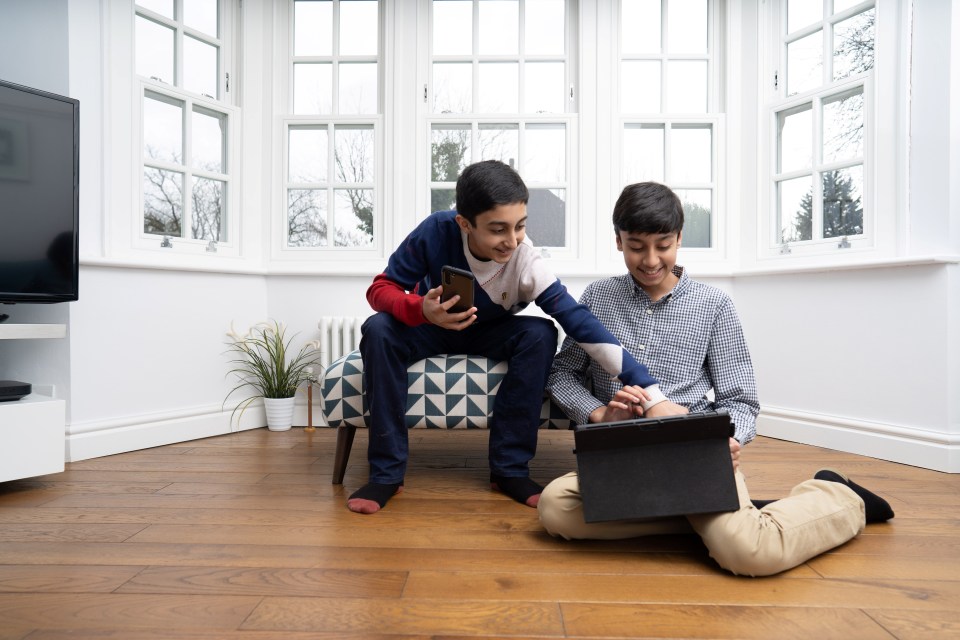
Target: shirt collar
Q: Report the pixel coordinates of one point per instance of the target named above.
(678, 289)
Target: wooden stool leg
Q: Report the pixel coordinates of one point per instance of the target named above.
(345, 435)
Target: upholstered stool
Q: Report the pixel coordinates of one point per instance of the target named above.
(443, 392)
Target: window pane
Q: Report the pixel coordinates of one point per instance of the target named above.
(691, 154)
(358, 87)
(687, 86)
(796, 140)
(207, 206)
(209, 135)
(154, 50)
(313, 28)
(306, 218)
(795, 209)
(452, 27)
(199, 67)
(499, 142)
(201, 15)
(687, 26)
(313, 88)
(162, 128)
(353, 218)
(853, 45)
(843, 202)
(544, 27)
(449, 152)
(443, 199)
(545, 153)
(640, 87)
(452, 88)
(805, 63)
(353, 153)
(643, 152)
(547, 217)
(640, 26)
(499, 27)
(802, 13)
(163, 7)
(162, 201)
(499, 90)
(843, 128)
(308, 154)
(359, 25)
(545, 91)
(697, 208)
(842, 5)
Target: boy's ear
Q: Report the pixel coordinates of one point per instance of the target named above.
(619, 242)
(679, 238)
(463, 222)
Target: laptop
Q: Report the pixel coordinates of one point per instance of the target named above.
(656, 467)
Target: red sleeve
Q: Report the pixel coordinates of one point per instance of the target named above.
(386, 295)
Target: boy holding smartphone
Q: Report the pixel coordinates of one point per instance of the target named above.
(485, 235)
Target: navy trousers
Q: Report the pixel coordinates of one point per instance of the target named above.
(388, 347)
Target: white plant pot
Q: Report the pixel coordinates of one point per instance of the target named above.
(279, 413)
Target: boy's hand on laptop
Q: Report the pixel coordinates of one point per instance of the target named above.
(438, 313)
(624, 405)
(666, 408)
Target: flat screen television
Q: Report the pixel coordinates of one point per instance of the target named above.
(39, 195)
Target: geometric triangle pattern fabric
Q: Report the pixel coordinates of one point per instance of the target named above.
(443, 392)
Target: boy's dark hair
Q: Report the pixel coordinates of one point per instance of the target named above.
(648, 207)
(484, 185)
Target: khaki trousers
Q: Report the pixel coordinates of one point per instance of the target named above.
(818, 515)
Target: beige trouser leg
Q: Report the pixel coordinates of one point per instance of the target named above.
(817, 516)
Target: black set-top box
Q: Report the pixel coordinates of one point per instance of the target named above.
(13, 390)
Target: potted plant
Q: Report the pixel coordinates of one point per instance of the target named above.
(264, 362)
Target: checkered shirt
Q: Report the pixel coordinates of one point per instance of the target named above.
(690, 340)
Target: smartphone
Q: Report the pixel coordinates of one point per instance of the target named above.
(457, 282)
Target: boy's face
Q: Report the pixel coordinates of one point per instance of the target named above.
(650, 258)
(497, 233)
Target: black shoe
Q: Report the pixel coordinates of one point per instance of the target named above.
(876, 508)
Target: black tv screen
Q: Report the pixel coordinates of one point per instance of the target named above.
(39, 195)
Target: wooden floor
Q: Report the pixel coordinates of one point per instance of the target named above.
(244, 536)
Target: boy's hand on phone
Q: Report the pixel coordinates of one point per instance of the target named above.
(438, 312)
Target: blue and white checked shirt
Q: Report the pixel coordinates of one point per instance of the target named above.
(690, 340)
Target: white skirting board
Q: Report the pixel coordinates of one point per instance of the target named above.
(104, 438)
(935, 450)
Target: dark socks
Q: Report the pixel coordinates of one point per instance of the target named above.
(372, 497)
(523, 490)
(876, 508)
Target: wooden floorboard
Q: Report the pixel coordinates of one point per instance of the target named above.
(244, 536)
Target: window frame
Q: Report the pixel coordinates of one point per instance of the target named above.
(322, 257)
(223, 104)
(428, 119)
(883, 147)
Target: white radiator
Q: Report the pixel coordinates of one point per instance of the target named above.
(339, 335)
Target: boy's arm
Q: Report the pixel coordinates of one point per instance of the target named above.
(731, 370)
(386, 295)
(597, 342)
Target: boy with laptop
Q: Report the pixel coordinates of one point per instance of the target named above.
(689, 336)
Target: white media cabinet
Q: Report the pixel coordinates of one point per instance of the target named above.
(32, 429)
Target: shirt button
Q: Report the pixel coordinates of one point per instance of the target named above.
(641, 347)
(649, 312)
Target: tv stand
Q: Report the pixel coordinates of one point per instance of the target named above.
(32, 429)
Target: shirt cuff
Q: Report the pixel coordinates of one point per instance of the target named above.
(656, 396)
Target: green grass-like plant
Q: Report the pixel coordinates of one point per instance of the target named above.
(263, 362)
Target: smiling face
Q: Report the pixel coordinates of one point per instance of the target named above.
(650, 258)
(496, 232)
